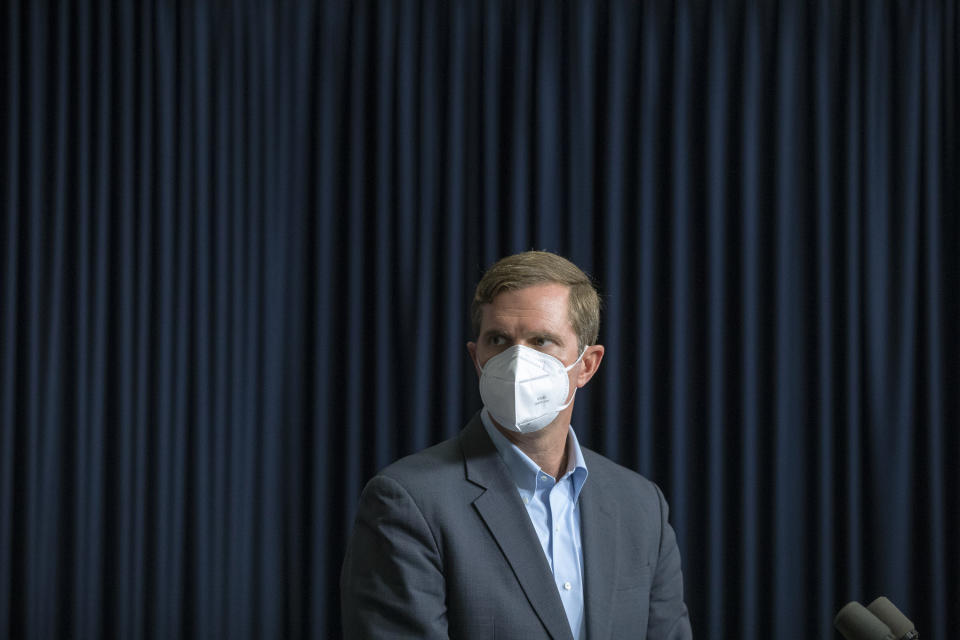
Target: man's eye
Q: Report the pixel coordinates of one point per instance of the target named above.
(496, 340)
(542, 342)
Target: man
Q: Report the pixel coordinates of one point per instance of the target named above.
(511, 529)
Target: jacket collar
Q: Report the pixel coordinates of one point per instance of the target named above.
(599, 529)
(503, 512)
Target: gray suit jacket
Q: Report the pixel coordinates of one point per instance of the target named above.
(443, 547)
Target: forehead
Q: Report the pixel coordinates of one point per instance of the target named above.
(543, 307)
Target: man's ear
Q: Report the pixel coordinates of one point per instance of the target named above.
(472, 350)
(592, 356)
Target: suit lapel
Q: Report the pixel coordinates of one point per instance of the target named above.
(599, 531)
(503, 513)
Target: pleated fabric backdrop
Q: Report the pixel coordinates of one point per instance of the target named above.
(239, 242)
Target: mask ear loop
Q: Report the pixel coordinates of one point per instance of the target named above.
(579, 358)
(570, 401)
(476, 363)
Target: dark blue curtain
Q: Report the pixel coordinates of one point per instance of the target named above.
(239, 242)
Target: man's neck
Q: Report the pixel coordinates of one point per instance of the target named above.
(546, 447)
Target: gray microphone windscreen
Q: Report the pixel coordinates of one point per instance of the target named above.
(893, 618)
(856, 623)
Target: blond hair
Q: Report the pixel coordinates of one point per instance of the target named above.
(530, 268)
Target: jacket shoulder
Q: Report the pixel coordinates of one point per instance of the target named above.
(620, 478)
(429, 467)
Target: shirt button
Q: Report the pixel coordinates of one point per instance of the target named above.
(526, 501)
(544, 478)
(567, 586)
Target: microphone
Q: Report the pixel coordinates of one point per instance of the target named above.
(899, 624)
(855, 622)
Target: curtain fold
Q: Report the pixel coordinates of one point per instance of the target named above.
(239, 245)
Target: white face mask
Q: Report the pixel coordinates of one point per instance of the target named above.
(524, 389)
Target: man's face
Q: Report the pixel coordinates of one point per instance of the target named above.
(536, 317)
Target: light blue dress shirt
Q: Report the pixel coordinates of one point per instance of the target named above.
(552, 507)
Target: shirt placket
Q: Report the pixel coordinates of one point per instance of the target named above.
(563, 571)
(545, 485)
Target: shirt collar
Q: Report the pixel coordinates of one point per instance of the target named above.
(523, 470)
